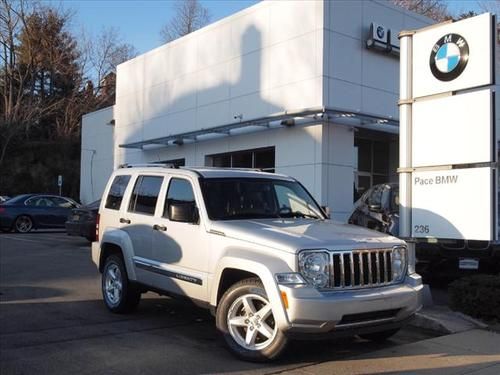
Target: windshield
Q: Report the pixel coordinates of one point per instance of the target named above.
(250, 198)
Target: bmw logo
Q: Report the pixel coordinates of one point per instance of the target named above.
(449, 57)
(380, 32)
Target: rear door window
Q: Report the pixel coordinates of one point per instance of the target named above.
(41, 202)
(145, 194)
(116, 192)
(61, 202)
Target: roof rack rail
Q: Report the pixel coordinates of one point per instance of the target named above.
(158, 165)
(224, 168)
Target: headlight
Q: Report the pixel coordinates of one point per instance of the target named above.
(398, 263)
(313, 266)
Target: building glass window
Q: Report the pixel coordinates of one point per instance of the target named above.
(263, 158)
(373, 164)
(174, 162)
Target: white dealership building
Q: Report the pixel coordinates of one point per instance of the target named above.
(304, 88)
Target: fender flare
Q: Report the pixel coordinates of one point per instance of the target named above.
(121, 239)
(264, 270)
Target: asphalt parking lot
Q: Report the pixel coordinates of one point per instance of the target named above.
(53, 321)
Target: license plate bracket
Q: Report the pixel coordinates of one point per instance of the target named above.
(468, 263)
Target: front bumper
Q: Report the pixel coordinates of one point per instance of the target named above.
(361, 310)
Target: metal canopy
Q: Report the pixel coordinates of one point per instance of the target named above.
(278, 120)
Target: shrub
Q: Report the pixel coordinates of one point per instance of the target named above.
(477, 296)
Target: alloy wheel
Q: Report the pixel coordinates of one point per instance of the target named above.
(251, 322)
(24, 224)
(113, 284)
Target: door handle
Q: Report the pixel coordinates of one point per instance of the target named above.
(124, 221)
(160, 227)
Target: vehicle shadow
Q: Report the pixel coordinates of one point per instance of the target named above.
(26, 292)
(162, 333)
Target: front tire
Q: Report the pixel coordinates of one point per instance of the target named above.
(245, 319)
(23, 224)
(119, 294)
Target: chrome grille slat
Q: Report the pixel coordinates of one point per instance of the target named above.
(385, 267)
(351, 261)
(377, 262)
(361, 271)
(360, 268)
(370, 276)
(342, 271)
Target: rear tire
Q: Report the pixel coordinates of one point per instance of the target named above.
(23, 224)
(119, 294)
(379, 336)
(245, 319)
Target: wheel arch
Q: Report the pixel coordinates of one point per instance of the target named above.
(236, 268)
(231, 276)
(116, 241)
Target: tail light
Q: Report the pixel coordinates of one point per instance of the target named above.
(97, 227)
(2, 209)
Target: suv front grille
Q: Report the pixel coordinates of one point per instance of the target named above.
(360, 268)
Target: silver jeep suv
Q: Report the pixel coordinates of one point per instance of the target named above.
(257, 250)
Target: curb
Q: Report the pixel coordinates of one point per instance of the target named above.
(445, 321)
(422, 320)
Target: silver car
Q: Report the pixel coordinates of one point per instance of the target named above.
(257, 250)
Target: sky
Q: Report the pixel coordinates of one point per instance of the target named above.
(139, 22)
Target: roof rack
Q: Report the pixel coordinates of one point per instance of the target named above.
(158, 165)
(224, 168)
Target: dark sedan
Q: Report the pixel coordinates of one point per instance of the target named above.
(82, 221)
(35, 211)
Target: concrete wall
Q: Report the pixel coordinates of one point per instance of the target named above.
(260, 61)
(97, 154)
(338, 170)
(356, 78)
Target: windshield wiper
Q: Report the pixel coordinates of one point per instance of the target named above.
(299, 214)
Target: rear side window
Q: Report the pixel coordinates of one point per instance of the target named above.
(145, 194)
(60, 202)
(179, 191)
(115, 195)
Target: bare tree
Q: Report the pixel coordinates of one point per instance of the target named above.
(189, 16)
(435, 9)
(103, 54)
(18, 108)
(492, 6)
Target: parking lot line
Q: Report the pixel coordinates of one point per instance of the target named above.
(40, 237)
(18, 239)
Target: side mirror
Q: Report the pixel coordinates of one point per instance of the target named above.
(375, 208)
(184, 212)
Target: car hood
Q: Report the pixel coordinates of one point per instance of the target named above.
(296, 234)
